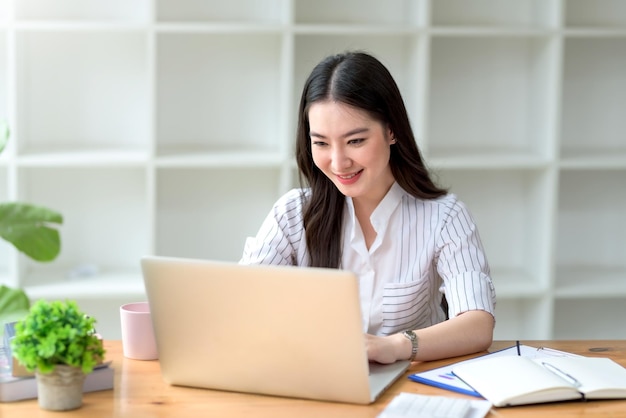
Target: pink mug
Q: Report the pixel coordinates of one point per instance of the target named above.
(138, 340)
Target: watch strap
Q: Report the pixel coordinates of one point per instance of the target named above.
(411, 336)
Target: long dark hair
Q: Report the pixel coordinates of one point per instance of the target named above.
(359, 80)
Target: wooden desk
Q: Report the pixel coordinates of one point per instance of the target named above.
(140, 392)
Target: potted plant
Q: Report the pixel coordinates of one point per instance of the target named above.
(58, 342)
(54, 339)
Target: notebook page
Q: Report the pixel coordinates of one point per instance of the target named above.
(515, 380)
(596, 377)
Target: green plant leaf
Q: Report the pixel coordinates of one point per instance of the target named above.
(56, 333)
(12, 300)
(14, 305)
(4, 134)
(27, 227)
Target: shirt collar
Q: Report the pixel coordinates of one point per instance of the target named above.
(386, 207)
(382, 213)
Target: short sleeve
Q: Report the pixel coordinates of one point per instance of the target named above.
(462, 264)
(280, 235)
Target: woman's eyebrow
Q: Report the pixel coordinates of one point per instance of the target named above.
(347, 134)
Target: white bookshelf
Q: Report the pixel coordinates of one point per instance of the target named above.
(166, 127)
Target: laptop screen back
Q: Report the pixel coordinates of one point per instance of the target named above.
(286, 331)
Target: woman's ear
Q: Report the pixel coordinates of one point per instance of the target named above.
(391, 136)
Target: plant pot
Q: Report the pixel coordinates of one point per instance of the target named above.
(61, 389)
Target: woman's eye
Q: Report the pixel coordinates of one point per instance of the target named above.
(318, 143)
(356, 141)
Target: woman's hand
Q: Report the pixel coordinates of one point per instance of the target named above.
(387, 349)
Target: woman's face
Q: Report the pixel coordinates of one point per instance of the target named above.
(351, 149)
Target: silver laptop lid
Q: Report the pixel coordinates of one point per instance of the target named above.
(286, 331)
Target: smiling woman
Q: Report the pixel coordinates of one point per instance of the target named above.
(368, 204)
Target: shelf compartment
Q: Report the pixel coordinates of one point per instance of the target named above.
(198, 158)
(594, 160)
(490, 95)
(399, 53)
(523, 319)
(596, 14)
(510, 211)
(490, 159)
(107, 284)
(6, 250)
(293, 177)
(514, 283)
(360, 12)
(4, 82)
(584, 282)
(209, 84)
(91, 94)
(104, 229)
(83, 10)
(594, 98)
(590, 226)
(232, 11)
(209, 213)
(4, 12)
(4, 183)
(594, 319)
(85, 158)
(493, 13)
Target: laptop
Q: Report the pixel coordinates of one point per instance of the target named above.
(272, 330)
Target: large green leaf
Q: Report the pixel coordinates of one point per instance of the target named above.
(28, 228)
(14, 305)
(12, 299)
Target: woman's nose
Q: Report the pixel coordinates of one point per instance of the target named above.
(339, 159)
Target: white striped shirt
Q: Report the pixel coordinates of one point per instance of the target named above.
(422, 248)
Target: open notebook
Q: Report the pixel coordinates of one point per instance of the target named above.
(518, 380)
(286, 331)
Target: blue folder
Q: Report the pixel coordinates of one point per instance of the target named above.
(444, 378)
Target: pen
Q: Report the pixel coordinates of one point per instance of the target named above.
(561, 373)
(519, 353)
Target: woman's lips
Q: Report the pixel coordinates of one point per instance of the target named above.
(349, 178)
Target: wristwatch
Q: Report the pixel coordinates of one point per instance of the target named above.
(411, 336)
